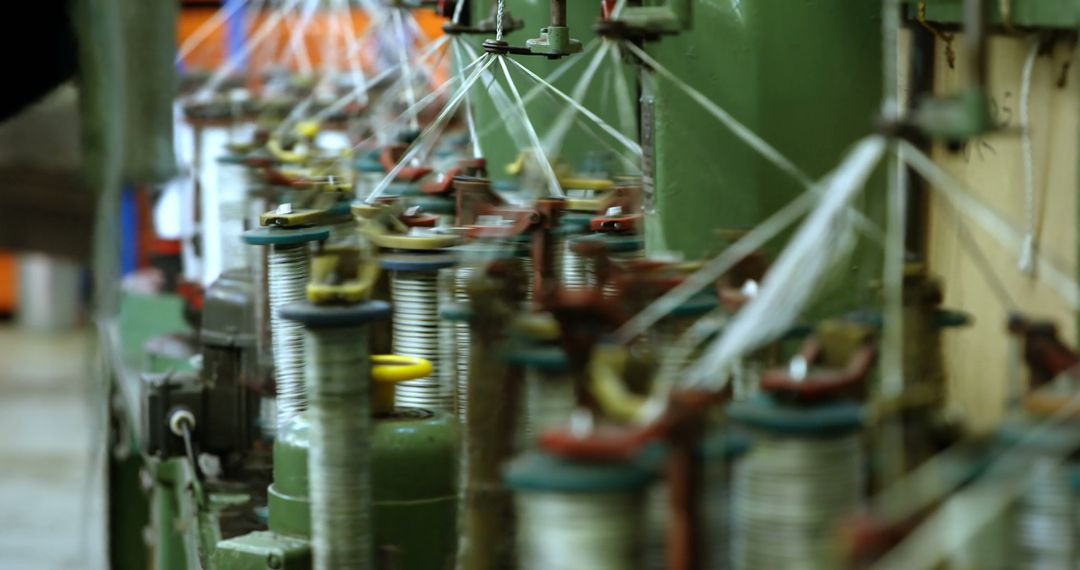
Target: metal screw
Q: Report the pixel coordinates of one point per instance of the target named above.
(273, 561)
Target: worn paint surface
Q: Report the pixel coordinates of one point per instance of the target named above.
(803, 75)
(992, 169)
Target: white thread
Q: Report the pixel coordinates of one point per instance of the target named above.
(820, 242)
(1027, 248)
(499, 20)
(339, 462)
(573, 531)
(287, 276)
(622, 139)
(990, 221)
(416, 333)
(549, 400)
(789, 493)
(554, 188)
(220, 17)
(982, 503)
(448, 110)
(751, 139)
(553, 140)
(406, 67)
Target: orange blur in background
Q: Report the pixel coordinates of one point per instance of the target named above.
(211, 52)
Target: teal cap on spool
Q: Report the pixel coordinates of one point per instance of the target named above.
(614, 243)
(480, 252)
(369, 163)
(233, 159)
(574, 223)
(404, 189)
(434, 204)
(697, 305)
(1032, 434)
(717, 445)
(544, 357)
(764, 412)
(510, 186)
(723, 444)
(542, 472)
(456, 312)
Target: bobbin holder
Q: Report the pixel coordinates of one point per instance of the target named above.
(1046, 355)
(820, 384)
(494, 402)
(681, 426)
(486, 27)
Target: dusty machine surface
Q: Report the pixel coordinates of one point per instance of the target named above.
(689, 285)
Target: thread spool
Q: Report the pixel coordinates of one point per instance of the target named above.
(470, 258)
(619, 248)
(550, 396)
(417, 329)
(286, 282)
(234, 181)
(368, 173)
(1044, 522)
(575, 515)
(717, 451)
(573, 271)
(801, 476)
(666, 334)
(339, 462)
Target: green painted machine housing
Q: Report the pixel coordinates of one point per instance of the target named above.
(414, 489)
(262, 550)
(415, 463)
(806, 76)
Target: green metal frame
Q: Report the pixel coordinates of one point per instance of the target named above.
(497, 146)
(1062, 14)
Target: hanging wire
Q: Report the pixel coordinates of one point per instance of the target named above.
(470, 121)
(749, 137)
(298, 37)
(993, 224)
(499, 21)
(254, 41)
(1027, 250)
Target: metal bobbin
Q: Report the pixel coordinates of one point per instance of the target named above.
(616, 248)
(286, 277)
(1043, 525)
(572, 270)
(576, 514)
(415, 263)
(803, 473)
(470, 258)
(550, 389)
(339, 462)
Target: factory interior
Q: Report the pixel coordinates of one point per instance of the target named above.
(541, 285)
